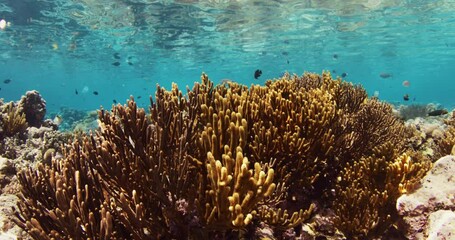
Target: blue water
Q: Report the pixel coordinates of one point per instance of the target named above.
(60, 47)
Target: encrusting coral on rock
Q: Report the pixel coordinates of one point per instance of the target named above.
(223, 160)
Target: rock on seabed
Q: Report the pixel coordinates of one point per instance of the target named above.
(429, 212)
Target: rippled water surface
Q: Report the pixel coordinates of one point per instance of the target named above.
(106, 50)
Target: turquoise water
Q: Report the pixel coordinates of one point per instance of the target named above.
(60, 47)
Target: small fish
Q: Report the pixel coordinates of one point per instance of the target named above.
(85, 89)
(335, 56)
(130, 63)
(6, 81)
(117, 55)
(286, 41)
(130, 57)
(57, 120)
(438, 112)
(406, 97)
(95, 92)
(406, 83)
(287, 61)
(344, 75)
(334, 71)
(114, 101)
(284, 53)
(54, 46)
(257, 74)
(76, 92)
(385, 75)
(139, 97)
(376, 94)
(116, 64)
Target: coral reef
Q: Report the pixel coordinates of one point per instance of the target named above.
(445, 142)
(34, 108)
(76, 120)
(21, 146)
(221, 161)
(412, 111)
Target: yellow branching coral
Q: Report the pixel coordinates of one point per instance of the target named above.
(367, 190)
(281, 219)
(14, 120)
(67, 201)
(235, 190)
(221, 159)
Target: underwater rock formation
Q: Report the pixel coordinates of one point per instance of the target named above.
(221, 161)
(428, 213)
(34, 108)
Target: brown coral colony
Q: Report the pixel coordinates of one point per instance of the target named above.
(223, 160)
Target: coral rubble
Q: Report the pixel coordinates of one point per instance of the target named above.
(221, 161)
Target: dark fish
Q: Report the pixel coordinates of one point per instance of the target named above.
(139, 97)
(6, 81)
(76, 92)
(117, 55)
(257, 73)
(286, 41)
(0, 88)
(114, 101)
(438, 112)
(287, 61)
(130, 63)
(116, 64)
(406, 97)
(284, 53)
(130, 57)
(335, 56)
(95, 93)
(344, 74)
(385, 75)
(334, 71)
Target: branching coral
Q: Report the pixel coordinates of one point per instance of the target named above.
(367, 190)
(13, 121)
(67, 201)
(446, 145)
(222, 158)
